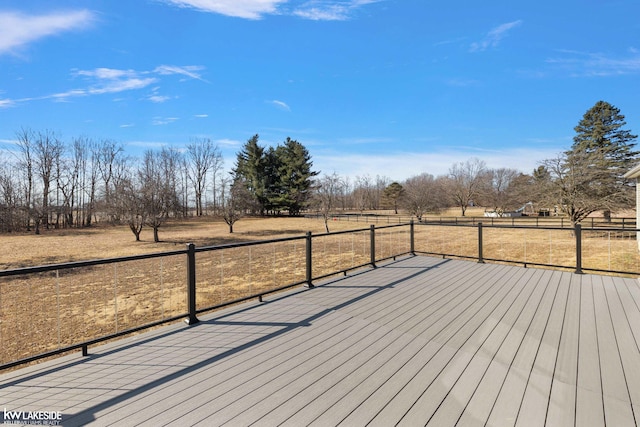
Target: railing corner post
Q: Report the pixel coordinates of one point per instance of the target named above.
(480, 244)
(372, 235)
(308, 262)
(191, 284)
(578, 233)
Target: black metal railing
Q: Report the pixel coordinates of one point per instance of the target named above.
(609, 250)
(49, 277)
(72, 306)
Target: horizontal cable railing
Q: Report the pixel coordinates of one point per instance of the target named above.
(53, 309)
(525, 220)
(607, 250)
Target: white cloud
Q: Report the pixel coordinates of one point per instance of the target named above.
(6, 103)
(102, 88)
(155, 97)
(102, 81)
(327, 13)
(249, 9)
(106, 73)
(330, 10)
(189, 71)
(19, 30)
(229, 142)
(201, 116)
(281, 105)
(160, 121)
(158, 99)
(587, 64)
(317, 10)
(493, 37)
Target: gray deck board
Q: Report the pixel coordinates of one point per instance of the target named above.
(589, 404)
(418, 341)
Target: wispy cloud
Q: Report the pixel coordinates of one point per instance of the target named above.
(101, 81)
(494, 37)
(317, 10)
(249, 9)
(190, 71)
(19, 30)
(155, 97)
(330, 10)
(281, 105)
(160, 121)
(229, 142)
(587, 64)
(201, 116)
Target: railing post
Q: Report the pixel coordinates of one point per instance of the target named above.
(191, 284)
(308, 260)
(372, 235)
(578, 233)
(480, 257)
(412, 238)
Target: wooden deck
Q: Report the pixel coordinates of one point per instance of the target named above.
(420, 341)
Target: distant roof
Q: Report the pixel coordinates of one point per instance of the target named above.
(633, 173)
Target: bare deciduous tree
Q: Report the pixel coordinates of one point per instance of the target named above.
(465, 182)
(501, 192)
(107, 152)
(235, 202)
(132, 204)
(422, 194)
(47, 151)
(25, 138)
(327, 190)
(154, 191)
(203, 156)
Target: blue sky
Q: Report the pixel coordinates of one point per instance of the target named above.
(371, 87)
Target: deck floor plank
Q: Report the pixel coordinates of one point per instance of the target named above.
(562, 399)
(589, 397)
(535, 403)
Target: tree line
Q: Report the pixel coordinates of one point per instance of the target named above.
(47, 182)
(586, 178)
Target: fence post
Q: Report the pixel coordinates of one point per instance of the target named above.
(412, 238)
(578, 233)
(480, 257)
(308, 260)
(372, 235)
(191, 284)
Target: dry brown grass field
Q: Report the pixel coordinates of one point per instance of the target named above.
(50, 310)
(54, 246)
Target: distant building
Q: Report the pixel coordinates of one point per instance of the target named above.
(635, 174)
